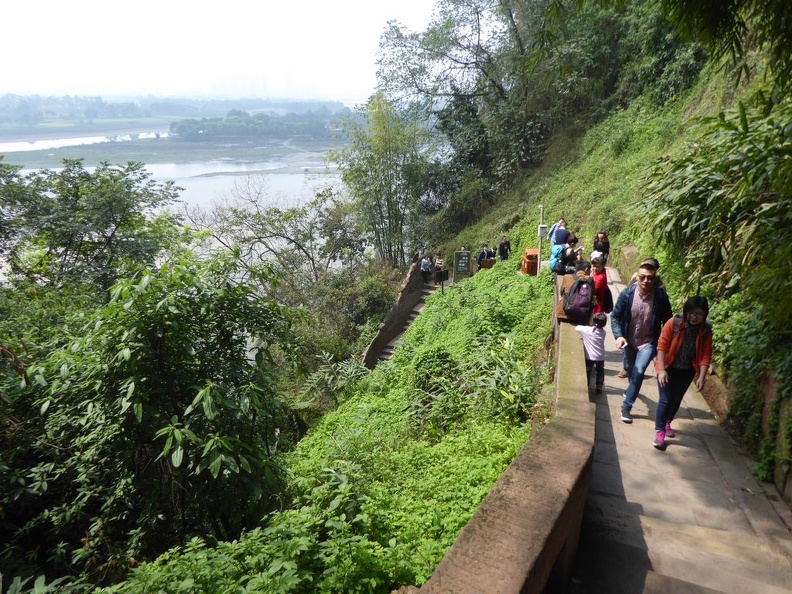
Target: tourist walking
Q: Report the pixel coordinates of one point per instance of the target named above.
(601, 246)
(482, 255)
(504, 248)
(594, 349)
(438, 265)
(637, 319)
(603, 298)
(426, 268)
(684, 353)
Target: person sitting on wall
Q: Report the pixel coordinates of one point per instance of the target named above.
(569, 257)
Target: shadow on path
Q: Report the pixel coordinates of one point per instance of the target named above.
(689, 519)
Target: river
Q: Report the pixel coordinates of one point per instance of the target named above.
(206, 183)
(287, 181)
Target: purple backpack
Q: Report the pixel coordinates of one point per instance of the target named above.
(579, 300)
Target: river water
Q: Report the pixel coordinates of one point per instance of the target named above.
(211, 182)
(285, 182)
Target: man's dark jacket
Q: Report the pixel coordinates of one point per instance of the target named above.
(622, 312)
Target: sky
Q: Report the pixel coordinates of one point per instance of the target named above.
(302, 49)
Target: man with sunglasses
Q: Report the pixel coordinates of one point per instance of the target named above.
(636, 321)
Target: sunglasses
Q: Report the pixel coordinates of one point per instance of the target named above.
(646, 277)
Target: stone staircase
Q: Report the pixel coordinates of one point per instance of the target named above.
(428, 289)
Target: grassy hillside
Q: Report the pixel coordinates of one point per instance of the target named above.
(595, 177)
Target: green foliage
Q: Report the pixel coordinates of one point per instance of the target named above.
(751, 355)
(509, 75)
(40, 586)
(378, 494)
(239, 123)
(725, 206)
(331, 381)
(156, 421)
(316, 252)
(734, 27)
(383, 167)
(73, 226)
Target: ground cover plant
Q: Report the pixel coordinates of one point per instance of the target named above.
(383, 484)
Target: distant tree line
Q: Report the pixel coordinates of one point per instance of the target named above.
(315, 124)
(28, 110)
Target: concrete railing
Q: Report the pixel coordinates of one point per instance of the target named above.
(524, 535)
(396, 320)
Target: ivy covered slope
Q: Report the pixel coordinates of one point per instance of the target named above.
(385, 482)
(703, 184)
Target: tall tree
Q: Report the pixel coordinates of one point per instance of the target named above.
(474, 54)
(316, 252)
(157, 421)
(300, 244)
(90, 227)
(730, 27)
(383, 166)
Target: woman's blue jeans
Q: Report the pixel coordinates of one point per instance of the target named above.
(671, 395)
(635, 364)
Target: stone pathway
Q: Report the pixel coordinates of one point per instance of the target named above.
(689, 519)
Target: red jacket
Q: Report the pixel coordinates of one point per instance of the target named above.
(600, 288)
(669, 343)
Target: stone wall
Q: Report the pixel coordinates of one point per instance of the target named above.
(396, 320)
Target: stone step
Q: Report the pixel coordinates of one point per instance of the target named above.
(392, 344)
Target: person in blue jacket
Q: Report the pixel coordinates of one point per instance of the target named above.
(636, 321)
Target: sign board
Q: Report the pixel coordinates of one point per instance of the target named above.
(461, 265)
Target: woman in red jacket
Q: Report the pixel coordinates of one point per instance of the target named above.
(684, 353)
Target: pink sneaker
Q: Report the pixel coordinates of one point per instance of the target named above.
(659, 440)
(668, 431)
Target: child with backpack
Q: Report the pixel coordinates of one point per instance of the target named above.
(594, 349)
(684, 353)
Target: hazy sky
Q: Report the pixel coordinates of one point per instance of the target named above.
(323, 49)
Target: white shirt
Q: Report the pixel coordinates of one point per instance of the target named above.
(593, 342)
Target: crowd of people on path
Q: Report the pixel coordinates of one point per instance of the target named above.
(641, 320)
(432, 267)
(643, 326)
